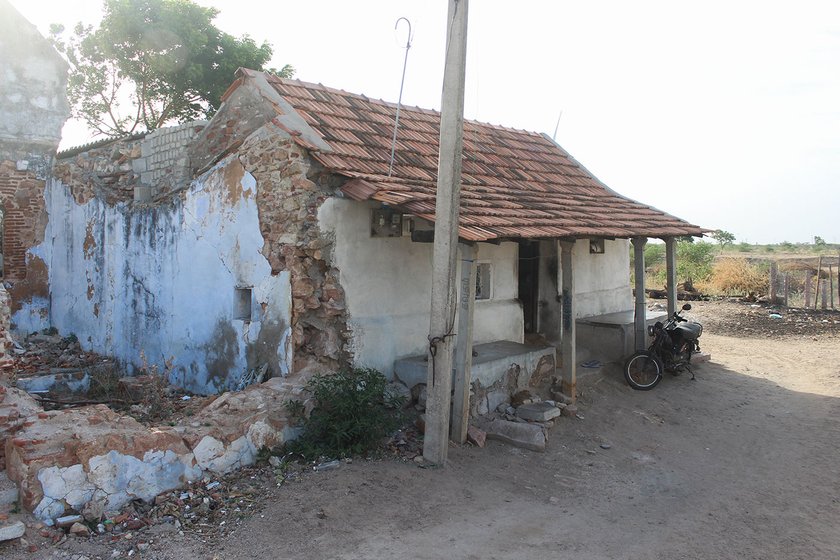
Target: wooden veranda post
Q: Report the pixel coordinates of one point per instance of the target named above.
(447, 200)
(671, 273)
(640, 318)
(568, 345)
(464, 345)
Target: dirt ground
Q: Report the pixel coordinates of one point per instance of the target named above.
(741, 463)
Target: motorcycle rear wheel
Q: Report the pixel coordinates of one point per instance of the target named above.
(643, 371)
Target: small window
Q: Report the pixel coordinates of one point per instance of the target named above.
(242, 304)
(483, 279)
(596, 246)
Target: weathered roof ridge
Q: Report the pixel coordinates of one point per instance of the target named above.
(392, 105)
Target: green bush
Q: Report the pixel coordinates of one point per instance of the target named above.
(694, 261)
(352, 414)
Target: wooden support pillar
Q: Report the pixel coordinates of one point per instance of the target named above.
(774, 273)
(464, 345)
(671, 273)
(831, 284)
(568, 345)
(640, 319)
(447, 204)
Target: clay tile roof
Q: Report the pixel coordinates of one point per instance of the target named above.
(514, 183)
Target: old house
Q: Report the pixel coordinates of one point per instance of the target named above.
(300, 242)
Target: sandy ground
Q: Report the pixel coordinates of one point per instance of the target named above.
(741, 463)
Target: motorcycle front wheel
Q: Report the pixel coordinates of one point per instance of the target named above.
(643, 371)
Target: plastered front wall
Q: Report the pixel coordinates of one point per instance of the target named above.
(387, 283)
(158, 283)
(602, 281)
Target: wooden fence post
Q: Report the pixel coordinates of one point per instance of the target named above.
(773, 281)
(831, 283)
(823, 298)
(819, 270)
(808, 274)
(787, 287)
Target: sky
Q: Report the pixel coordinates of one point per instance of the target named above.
(724, 113)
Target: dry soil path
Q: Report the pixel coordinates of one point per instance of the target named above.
(741, 463)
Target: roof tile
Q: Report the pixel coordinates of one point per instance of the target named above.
(514, 183)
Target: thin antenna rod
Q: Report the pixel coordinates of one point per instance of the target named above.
(399, 102)
(557, 126)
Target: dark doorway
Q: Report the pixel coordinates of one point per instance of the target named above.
(529, 270)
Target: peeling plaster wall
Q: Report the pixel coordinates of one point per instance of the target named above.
(161, 280)
(387, 285)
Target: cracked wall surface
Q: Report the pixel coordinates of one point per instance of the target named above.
(158, 282)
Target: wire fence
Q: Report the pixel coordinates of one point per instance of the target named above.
(802, 283)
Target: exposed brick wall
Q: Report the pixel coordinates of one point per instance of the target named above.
(22, 195)
(290, 189)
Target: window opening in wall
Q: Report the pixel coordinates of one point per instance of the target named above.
(242, 304)
(483, 281)
(596, 246)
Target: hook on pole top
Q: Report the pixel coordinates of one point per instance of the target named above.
(409, 37)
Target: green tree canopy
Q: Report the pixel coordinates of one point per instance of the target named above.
(723, 237)
(153, 62)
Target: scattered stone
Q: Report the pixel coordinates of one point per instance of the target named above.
(68, 520)
(9, 531)
(554, 500)
(570, 411)
(476, 436)
(605, 446)
(397, 389)
(420, 423)
(522, 397)
(526, 436)
(538, 412)
(79, 530)
(275, 461)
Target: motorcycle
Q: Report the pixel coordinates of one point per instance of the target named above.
(673, 344)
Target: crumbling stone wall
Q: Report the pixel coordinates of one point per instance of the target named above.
(291, 188)
(33, 108)
(103, 170)
(114, 170)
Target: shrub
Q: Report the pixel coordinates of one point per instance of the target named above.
(694, 261)
(736, 276)
(352, 414)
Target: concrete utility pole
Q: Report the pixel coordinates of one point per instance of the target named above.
(441, 327)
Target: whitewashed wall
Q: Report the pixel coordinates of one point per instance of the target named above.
(387, 283)
(602, 281)
(157, 283)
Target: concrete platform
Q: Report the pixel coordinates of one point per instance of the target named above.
(494, 359)
(610, 337)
